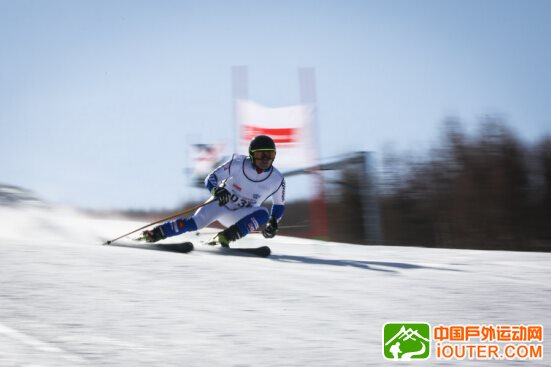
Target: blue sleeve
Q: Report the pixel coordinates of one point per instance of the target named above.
(277, 211)
(278, 201)
(211, 181)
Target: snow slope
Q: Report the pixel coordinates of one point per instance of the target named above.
(65, 300)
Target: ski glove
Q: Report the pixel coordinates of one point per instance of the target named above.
(271, 228)
(221, 194)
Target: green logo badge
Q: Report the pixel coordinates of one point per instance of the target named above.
(406, 341)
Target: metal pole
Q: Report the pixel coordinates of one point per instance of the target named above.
(240, 91)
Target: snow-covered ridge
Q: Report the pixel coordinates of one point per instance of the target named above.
(13, 196)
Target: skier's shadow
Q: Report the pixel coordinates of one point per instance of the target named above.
(383, 266)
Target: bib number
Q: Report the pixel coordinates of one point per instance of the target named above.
(240, 202)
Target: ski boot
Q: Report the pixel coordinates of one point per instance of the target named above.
(225, 237)
(153, 235)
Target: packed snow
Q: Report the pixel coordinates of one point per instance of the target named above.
(66, 300)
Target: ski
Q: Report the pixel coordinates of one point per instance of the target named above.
(183, 247)
(262, 251)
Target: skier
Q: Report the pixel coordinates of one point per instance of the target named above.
(239, 187)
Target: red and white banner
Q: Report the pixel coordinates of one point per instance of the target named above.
(290, 127)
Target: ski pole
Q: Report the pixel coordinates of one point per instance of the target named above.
(179, 214)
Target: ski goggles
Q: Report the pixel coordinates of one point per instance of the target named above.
(264, 154)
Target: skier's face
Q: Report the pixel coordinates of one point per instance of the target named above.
(263, 159)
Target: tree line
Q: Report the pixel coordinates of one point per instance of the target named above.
(486, 190)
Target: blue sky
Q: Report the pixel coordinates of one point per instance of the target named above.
(98, 99)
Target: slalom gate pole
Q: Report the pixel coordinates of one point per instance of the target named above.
(179, 214)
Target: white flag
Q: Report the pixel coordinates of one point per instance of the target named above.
(290, 127)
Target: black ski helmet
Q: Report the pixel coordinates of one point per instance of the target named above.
(261, 142)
